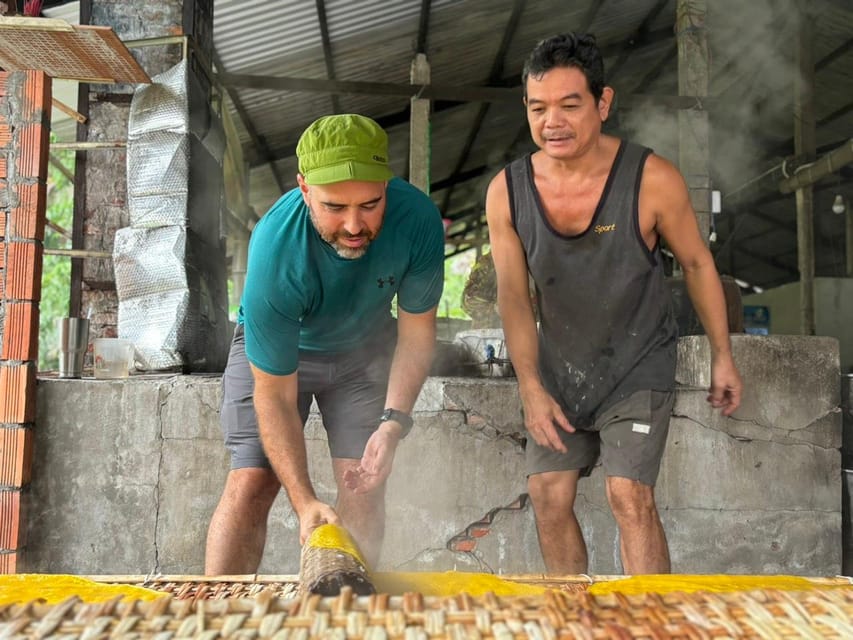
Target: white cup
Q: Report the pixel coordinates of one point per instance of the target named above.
(113, 357)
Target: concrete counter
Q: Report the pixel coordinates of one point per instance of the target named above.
(127, 473)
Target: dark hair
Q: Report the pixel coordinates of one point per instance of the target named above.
(567, 50)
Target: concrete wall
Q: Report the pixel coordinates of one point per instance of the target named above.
(833, 312)
(127, 474)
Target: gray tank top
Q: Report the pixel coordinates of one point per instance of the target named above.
(606, 326)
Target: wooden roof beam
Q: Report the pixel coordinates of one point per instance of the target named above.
(258, 142)
(494, 75)
(768, 260)
(589, 17)
(637, 41)
(786, 147)
(328, 58)
(423, 26)
(653, 73)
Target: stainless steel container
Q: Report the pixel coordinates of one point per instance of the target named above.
(73, 344)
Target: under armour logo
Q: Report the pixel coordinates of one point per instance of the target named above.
(382, 281)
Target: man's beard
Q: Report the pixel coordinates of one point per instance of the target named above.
(344, 251)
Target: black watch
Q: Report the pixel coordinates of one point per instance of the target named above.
(403, 419)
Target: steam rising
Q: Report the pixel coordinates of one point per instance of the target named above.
(752, 65)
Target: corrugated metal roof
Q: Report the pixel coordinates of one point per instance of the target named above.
(250, 33)
(751, 49)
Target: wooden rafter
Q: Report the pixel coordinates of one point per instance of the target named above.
(494, 75)
(833, 55)
(653, 73)
(317, 85)
(258, 142)
(751, 210)
(423, 26)
(637, 40)
(785, 148)
(589, 17)
(768, 260)
(457, 178)
(328, 58)
(462, 93)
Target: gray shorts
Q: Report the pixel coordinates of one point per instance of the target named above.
(349, 387)
(629, 437)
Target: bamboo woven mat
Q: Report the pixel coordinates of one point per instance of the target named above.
(768, 615)
(194, 587)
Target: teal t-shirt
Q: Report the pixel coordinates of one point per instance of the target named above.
(300, 294)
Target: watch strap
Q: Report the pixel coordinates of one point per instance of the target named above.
(403, 419)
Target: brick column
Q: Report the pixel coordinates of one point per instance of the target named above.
(25, 102)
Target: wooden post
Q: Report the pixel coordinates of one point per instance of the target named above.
(805, 146)
(419, 150)
(693, 131)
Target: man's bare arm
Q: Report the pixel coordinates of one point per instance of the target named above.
(541, 411)
(412, 358)
(409, 368)
(664, 190)
(514, 305)
(280, 427)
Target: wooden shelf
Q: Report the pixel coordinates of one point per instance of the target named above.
(72, 52)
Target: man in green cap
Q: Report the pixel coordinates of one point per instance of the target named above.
(325, 263)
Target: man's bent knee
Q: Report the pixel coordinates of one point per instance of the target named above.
(251, 487)
(552, 491)
(630, 500)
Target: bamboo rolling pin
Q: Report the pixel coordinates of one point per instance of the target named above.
(331, 560)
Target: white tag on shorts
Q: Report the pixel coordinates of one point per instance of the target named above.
(639, 427)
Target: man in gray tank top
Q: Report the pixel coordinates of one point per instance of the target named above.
(584, 216)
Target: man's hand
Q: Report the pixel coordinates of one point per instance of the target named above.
(377, 460)
(726, 386)
(312, 516)
(542, 416)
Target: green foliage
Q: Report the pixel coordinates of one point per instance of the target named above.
(56, 274)
(456, 270)
(233, 305)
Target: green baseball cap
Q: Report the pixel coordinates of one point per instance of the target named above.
(343, 147)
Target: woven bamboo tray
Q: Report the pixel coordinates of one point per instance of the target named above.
(556, 615)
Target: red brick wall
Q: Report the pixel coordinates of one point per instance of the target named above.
(25, 100)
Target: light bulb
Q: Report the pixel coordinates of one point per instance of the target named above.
(838, 205)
